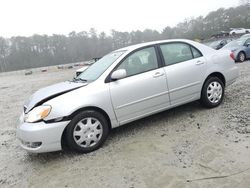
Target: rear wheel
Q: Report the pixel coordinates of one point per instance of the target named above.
(241, 57)
(212, 92)
(87, 131)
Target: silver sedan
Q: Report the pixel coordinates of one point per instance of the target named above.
(123, 86)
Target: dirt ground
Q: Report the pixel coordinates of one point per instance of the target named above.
(188, 146)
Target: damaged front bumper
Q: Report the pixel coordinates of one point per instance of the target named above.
(41, 137)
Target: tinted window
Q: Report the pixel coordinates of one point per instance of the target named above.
(247, 41)
(176, 52)
(140, 61)
(196, 53)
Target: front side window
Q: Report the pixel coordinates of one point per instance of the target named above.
(176, 52)
(140, 61)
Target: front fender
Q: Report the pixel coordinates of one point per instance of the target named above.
(92, 95)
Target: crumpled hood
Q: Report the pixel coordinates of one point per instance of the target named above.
(47, 93)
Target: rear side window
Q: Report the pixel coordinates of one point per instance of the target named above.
(178, 52)
(195, 52)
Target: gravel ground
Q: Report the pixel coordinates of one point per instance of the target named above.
(188, 146)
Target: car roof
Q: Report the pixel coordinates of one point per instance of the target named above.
(246, 35)
(136, 46)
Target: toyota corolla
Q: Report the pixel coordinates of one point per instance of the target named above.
(123, 86)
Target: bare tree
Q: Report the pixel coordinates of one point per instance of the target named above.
(42, 50)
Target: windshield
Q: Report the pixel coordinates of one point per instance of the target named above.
(235, 44)
(96, 70)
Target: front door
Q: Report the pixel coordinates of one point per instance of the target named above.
(143, 91)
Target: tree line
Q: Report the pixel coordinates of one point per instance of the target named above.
(42, 50)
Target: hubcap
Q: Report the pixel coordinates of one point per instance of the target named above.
(88, 132)
(242, 57)
(214, 92)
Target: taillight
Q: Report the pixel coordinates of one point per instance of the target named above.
(232, 55)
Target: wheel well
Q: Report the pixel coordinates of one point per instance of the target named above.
(241, 52)
(63, 140)
(215, 74)
(218, 75)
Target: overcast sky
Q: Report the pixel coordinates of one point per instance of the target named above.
(27, 17)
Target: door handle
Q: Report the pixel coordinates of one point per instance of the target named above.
(158, 74)
(199, 63)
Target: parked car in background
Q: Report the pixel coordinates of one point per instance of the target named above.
(76, 64)
(59, 66)
(92, 61)
(86, 65)
(240, 48)
(245, 36)
(44, 70)
(218, 44)
(89, 62)
(29, 72)
(125, 85)
(79, 71)
(235, 31)
(220, 34)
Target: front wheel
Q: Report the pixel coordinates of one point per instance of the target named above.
(87, 131)
(212, 92)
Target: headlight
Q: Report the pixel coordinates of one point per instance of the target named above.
(37, 114)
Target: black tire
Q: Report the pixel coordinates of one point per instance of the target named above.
(247, 31)
(205, 101)
(241, 57)
(83, 117)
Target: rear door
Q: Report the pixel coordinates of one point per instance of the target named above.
(184, 67)
(143, 91)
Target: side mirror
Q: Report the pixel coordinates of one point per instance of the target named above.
(118, 74)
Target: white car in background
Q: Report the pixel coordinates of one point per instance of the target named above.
(86, 65)
(235, 31)
(82, 69)
(245, 36)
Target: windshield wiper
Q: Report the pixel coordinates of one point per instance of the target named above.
(79, 79)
